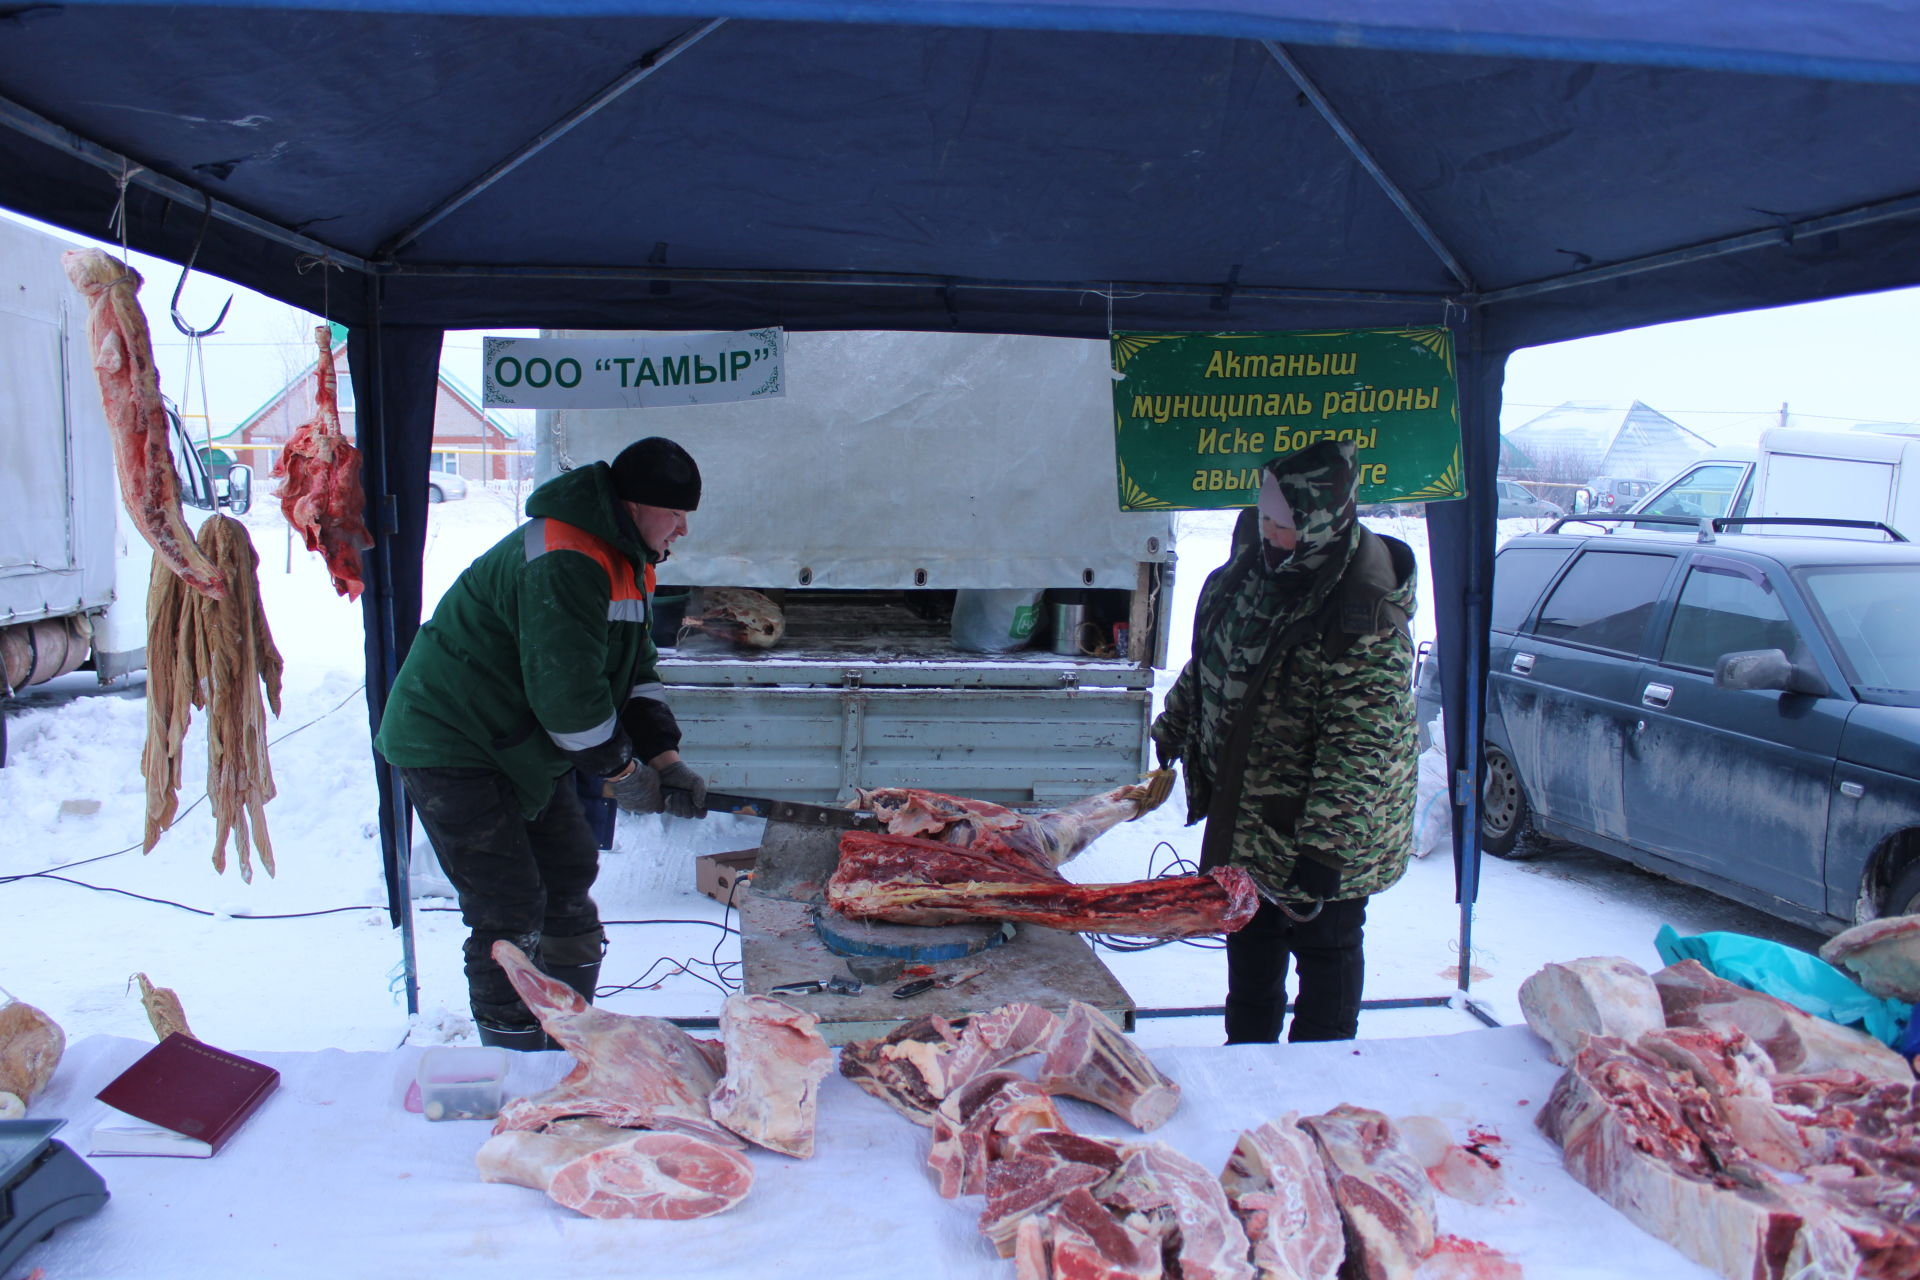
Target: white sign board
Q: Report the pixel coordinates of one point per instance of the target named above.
(633, 372)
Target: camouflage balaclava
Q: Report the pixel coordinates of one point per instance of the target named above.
(1316, 487)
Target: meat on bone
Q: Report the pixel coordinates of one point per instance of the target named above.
(642, 1073)
(136, 416)
(1883, 954)
(1794, 1041)
(921, 1061)
(1734, 1073)
(905, 880)
(736, 617)
(1454, 1170)
(1034, 1172)
(603, 1171)
(1644, 1137)
(1156, 1181)
(775, 1059)
(321, 493)
(1040, 840)
(1092, 1059)
(1080, 1239)
(975, 1123)
(1598, 995)
(1277, 1185)
(1384, 1197)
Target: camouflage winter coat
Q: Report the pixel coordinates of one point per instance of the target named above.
(1325, 767)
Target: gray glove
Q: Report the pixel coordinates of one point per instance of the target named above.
(636, 791)
(683, 792)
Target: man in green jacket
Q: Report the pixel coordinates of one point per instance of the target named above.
(539, 662)
(1295, 719)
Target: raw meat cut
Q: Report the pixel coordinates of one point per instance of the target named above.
(731, 616)
(974, 1124)
(906, 880)
(1042, 840)
(212, 653)
(775, 1060)
(668, 1176)
(130, 393)
(1454, 1258)
(1464, 1172)
(1034, 1171)
(1794, 1041)
(902, 1067)
(607, 1172)
(1597, 995)
(1883, 954)
(639, 1073)
(1645, 1139)
(1277, 1185)
(31, 1045)
(1735, 1074)
(1092, 1059)
(1385, 1199)
(1079, 1239)
(991, 1040)
(1156, 1181)
(323, 496)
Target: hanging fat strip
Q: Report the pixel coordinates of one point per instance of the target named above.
(322, 495)
(213, 654)
(130, 393)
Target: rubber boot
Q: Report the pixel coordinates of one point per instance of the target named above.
(574, 959)
(520, 1039)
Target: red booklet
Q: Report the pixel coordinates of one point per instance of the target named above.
(191, 1095)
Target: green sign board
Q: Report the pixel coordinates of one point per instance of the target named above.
(1196, 414)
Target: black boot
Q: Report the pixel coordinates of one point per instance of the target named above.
(522, 1039)
(574, 959)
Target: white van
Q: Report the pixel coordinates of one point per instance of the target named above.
(1836, 475)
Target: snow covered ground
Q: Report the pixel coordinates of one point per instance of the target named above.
(307, 960)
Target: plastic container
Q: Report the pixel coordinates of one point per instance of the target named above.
(462, 1082)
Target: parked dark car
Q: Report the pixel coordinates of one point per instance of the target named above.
(1737, 711)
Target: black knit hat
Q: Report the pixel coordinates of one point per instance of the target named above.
(658, 473)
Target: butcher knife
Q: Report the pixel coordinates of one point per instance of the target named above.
(801, 844)
(793, 811)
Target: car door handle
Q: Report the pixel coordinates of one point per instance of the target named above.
(1522, 664)
(1657, 695)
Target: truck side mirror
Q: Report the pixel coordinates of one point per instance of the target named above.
(239, 488)
(1767, 669)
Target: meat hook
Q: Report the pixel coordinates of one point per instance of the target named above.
(199, 239)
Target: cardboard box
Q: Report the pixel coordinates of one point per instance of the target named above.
(717, 874)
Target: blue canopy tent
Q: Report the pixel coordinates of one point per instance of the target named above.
(1521, 173)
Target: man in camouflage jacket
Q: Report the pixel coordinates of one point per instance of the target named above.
(1295, 721)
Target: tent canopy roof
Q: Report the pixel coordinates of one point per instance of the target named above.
(989, 166)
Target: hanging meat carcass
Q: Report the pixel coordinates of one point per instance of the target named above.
(322, 495)
(130, 392)
(902, 880)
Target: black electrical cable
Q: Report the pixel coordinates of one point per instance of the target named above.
(1177, 866)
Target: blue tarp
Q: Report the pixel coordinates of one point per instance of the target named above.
(1524, 173)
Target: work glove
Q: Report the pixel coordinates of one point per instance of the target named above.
(683, 792)
(637, 790)
(1166, 742)
(1316, 877)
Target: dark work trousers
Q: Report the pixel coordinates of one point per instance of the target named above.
(524, 880)
(1326, 955)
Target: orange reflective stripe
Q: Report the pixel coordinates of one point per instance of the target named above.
(562, 536)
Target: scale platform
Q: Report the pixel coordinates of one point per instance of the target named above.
(780, 944)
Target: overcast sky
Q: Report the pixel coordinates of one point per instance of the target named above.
(1832, 363)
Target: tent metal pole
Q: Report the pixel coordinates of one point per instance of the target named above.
(650, 62)
(1785, 232)
(1358, 149)
(28, 124)
(900, 280)
(400, 822)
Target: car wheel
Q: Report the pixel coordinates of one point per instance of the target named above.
(1506, 823)
(434, 494)
(1904, 898)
